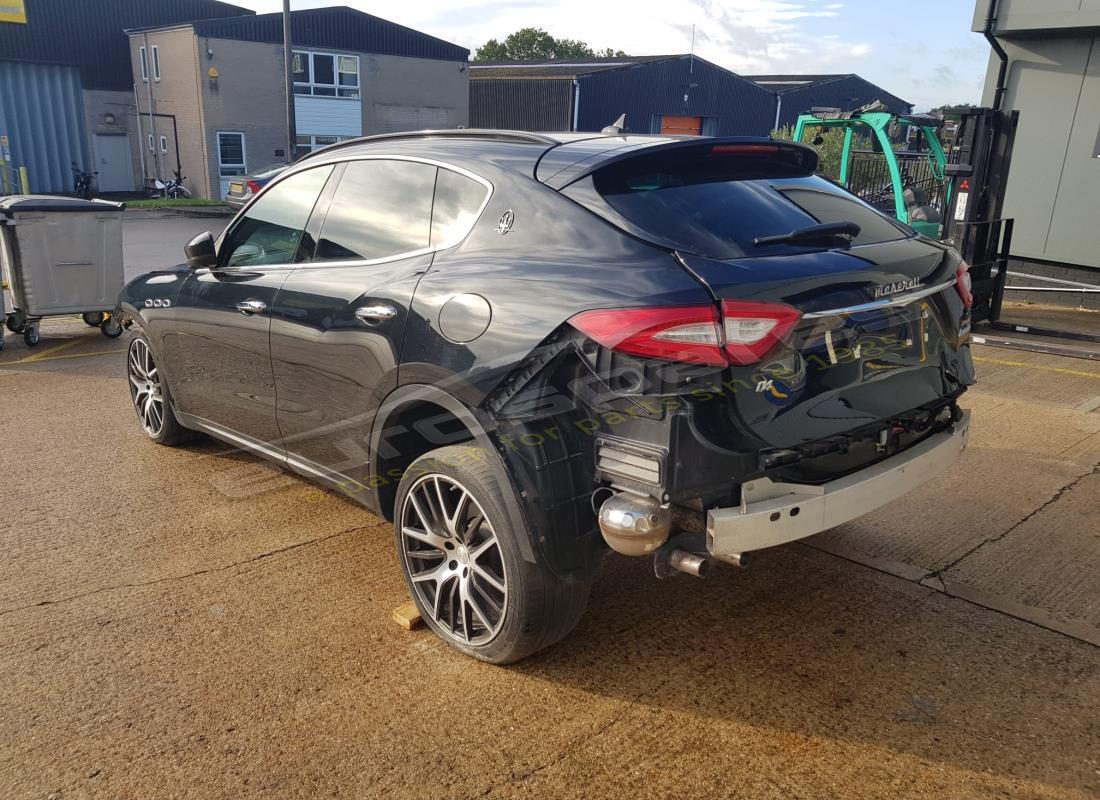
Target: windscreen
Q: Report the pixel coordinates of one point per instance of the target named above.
(717, 205)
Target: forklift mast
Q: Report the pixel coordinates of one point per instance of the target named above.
(977, 171)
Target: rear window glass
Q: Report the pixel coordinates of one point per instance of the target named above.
(717, 206)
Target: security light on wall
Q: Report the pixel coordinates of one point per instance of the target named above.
(108, 119)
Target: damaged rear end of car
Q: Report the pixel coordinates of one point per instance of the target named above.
(817, 380)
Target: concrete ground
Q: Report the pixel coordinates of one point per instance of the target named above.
(193, 623)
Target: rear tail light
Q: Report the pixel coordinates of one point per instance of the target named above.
(753, 329)
(254, 187)
(678, 333)
(963, 284)
(743, 334)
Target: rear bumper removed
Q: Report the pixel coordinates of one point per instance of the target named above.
(774, 513)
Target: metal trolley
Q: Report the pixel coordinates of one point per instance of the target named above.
(61, 256)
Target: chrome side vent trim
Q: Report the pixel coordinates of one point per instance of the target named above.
(617, 460)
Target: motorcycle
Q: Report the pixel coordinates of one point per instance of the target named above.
(173, 189)
(82, 182)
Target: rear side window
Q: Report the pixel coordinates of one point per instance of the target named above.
(380, 209)
(717, 206)
(458, 203)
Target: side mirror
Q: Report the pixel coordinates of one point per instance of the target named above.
(201, 252)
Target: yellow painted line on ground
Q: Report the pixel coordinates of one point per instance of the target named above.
(44, 357)
(1003, 362)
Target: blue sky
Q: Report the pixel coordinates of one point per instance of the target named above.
(921, 51)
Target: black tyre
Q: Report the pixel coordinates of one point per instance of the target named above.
(463, 561)
(92, 318)
(111, 327)
(30, 336)
(16, 322)
(151, 397)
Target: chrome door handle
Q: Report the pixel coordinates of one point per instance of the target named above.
(376, 313)
(250, 307)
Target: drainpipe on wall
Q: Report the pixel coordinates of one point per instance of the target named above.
(576, 102)
(149, 95)
(141, 138)
(1002, 73)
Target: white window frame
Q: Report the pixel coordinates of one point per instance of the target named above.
(163, 143)
(152, 146)
(156, 63)
(144, 64)
(311, 85)
(244, 155)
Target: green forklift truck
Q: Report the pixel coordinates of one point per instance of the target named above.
(909, 185)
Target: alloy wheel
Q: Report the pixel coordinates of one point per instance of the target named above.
(145, 387)
(453, 559)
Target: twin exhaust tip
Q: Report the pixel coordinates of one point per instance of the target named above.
(637, 525)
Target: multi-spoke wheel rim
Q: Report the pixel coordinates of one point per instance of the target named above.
(453, 559)
(145, 387)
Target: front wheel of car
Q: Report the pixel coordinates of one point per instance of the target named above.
(464, 565)
(151, 397)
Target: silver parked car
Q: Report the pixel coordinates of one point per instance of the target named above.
(244, 188)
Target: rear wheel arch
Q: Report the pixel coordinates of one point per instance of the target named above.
(414, 420)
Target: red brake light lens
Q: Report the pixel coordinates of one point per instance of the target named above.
(743, 334)
(676, 333)
(963, 284)
(745, 149)
(254, 187)
(753, 329)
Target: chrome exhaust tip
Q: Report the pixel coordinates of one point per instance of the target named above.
(691, 563)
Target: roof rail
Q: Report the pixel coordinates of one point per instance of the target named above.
(480, 133)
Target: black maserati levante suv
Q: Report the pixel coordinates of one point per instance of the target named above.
(529, 350)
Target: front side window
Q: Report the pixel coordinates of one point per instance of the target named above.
(144, 59)
(381, 209)
(156, 62)
(325, 74)
(458, 203)
(271, 231)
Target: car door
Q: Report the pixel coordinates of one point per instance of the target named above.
(219, 356)
(339, 320)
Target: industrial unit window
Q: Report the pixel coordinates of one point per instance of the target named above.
(231, 158)
(325, 74)
(164, 144)
(145, 63)
(307, 144)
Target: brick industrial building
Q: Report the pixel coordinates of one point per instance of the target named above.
(217, 92)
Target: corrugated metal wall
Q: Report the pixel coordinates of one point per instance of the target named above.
(847, 94)
(738, 106)
(521, 105)
(89, 33)
(42, 114)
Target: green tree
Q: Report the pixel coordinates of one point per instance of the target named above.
(528, 44)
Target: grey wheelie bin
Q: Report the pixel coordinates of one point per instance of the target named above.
(61, 256)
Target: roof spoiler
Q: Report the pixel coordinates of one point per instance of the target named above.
(756, 146)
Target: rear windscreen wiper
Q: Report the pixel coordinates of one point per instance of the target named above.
(811, 233)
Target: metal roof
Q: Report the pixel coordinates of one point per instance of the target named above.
(564, 68)
(783, 83)
(89, 35)
(338, 27)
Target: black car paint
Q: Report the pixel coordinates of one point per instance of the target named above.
(332, 389)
